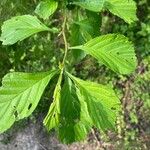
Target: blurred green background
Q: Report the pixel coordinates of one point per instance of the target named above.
(43, 51)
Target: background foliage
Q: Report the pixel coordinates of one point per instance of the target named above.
(38, 54)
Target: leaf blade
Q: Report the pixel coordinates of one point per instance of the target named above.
(125, 9)
(93, 5)
(103, 104)
(20, 94)
(72, 122)
(21, 27)
(114, 51)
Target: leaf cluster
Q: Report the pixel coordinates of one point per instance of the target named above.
(77, 105)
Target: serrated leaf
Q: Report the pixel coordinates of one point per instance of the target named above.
(74, 118)
(103, 104)
(93, 5)
(113, 50)
(21, 27)
(72, 122)
(46, 8)
(20, 94)
(125, 9)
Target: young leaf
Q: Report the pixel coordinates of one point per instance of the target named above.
(93, 5)
(125, 9)
(20, 27)
(52, 118)
(113, 50)
(20, 94)
(72, 122)
(103, 104)
(46, 8)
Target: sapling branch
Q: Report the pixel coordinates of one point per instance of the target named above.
(79, 105)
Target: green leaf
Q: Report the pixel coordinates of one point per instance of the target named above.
(20, 94)
(46, 8)
(103, 104)
(21, 27)
(87, 29)
(83, 31)
(74, 118)
(72, 122)
(125, 9)
(80, 34)
(113, 50)
(52, 118)
(93, 5)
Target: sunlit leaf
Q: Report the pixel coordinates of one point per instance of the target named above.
(125, 9)
(20, 94)
(21, 27)
(113, 50)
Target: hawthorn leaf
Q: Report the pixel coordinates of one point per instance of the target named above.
(93, 5)
(46, 8)
(125, 9)
(113, 50)
(20, 94)
(21, 27)
(102, 103)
